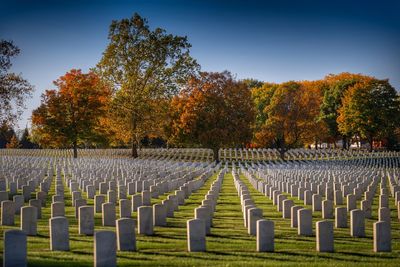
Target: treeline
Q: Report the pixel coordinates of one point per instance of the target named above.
(346, 107)
(9, 138)
(148, 89)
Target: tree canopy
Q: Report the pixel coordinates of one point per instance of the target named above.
(336, 86)
(143, 66)
(14, 89)
(213, 111)
(370, 109)
(70, 115)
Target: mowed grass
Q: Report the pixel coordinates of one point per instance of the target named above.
(228, 245)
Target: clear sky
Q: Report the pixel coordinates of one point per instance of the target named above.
(272, 41)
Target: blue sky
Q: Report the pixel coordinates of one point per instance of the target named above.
(271, 41)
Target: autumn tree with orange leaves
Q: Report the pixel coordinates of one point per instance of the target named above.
(213, 111)
(71, 115)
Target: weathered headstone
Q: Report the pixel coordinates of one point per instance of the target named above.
(203, 213)
(293, 215)
(79, 203)
(159, 215)
(29, 220)
(86, 220)
(146, 198)
(126, 237)
(112, 196)
(59, 234)
(7, 212)
(253, 215)
(99, 200)
(327, 209)
(265, 236)
(125, 208)
(75, 196)
(36, 203)
(15, 248)
(324, 236)
(287, 206)
(351, 202)
(304, 220)
(307, 197)
(136, 202)
(338, 197)
(357, 223)
(316, 202)
(90, 191)
(108, 214)
(341, 217)
(26, 192)
(105, 249)
(196, 235)
(57, 209)
(42, 196)
(382, 237)
(57, 198)
(384, 201)
(19, 202)
(366, 207)
(145, 220)
(384, 214)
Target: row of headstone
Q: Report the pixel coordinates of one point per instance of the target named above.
(303, 220)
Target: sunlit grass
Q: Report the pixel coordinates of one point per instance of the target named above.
(228, 245)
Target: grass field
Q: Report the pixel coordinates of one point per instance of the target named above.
(228, 245)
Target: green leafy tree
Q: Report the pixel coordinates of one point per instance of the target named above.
(26, 141)
(252, 83)
(261, 98)
(144, 66)
(337, 85)
(13, 88)
(370, 109)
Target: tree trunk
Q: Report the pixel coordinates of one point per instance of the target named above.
(316, 144)
(282, 153)
(134, 149)
(75, 149)
(216, 154)
(371, 142)
(344, 143)
(134, 153)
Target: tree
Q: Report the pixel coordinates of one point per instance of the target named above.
(14, 143)
(13, 88)
(252, 83)
(213, 111)
(261, 99)
(6, 134)
(289, 117)
(26, 141)
(370, 109)
(337, 85)
(315, 130)
(144, 67)
(70, 115)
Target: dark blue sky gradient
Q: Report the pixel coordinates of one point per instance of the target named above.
(275, 42)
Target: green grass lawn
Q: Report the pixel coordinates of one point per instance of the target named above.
(228, 245)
